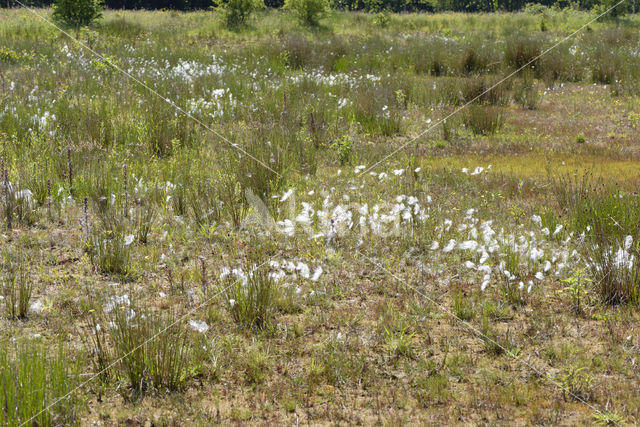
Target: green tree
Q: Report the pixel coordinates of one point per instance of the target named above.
(77, 13)
(308, 12)
(237, 12)
(617, 12)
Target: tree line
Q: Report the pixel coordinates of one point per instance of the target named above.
(355, 5)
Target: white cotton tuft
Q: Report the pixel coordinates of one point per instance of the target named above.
(468, 245)
(316, 274)
(198, 326)
(450, 246)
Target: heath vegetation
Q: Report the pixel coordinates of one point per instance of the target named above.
(236, 215)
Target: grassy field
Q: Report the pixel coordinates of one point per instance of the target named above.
(287, 265)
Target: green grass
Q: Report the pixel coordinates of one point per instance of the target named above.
(37, 380)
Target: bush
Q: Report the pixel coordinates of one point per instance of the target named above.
(237, 12)
(77, 13)
(308, 12)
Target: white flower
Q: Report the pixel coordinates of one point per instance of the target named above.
(539, 275)
(232, 302)
(398, 172)
(128, 239)
(628, 241)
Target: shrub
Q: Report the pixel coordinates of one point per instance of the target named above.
(382, 19)
(308, 12)
(237, 12)
(344, 148)
(77, 13)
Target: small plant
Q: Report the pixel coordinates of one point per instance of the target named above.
(399, 342)
(576, 383)
(577, 289)
(462, 308)
(522, 51)
(8, 197)
(580, 139)
(77, 13)
(308, 12)
(432, 387)
(607, 418)
(251, 301)
(344, 148)
(494, 344)
(143, 220)
(257, 364)
(448, 130)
